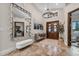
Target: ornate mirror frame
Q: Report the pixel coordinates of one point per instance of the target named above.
(12, 5)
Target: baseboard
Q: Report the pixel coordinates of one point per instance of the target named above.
(4, 52)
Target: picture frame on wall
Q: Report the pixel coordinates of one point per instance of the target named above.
(35, 26)
(38, 26)
(41, 27)
(18, 29)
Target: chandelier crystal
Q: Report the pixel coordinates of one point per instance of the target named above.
(49, 14)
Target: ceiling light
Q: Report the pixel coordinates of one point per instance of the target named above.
(49, 14)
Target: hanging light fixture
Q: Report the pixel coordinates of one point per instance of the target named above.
(49, 14)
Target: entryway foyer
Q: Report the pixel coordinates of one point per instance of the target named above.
(39, 29)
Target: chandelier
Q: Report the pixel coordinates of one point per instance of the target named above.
(49, 14)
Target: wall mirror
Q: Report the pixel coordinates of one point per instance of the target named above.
(19, 29)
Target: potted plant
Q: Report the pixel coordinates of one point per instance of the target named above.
(61, 30)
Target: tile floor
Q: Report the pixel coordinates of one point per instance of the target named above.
(47, 47)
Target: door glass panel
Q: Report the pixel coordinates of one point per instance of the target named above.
(55, 28)
(52, 27)
(49, 28)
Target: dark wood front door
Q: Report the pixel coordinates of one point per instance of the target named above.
(52, 30)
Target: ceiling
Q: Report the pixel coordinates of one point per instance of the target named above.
(53, 6)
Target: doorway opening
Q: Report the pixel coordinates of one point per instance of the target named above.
(73, 28)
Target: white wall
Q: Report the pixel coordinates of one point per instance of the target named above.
(66, 11)
(5, 40)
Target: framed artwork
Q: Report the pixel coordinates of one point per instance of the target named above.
(38, 26)
(35, 26)
(41, 27)
(18, 29)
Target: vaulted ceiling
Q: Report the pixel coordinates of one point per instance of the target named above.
(52, 6)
